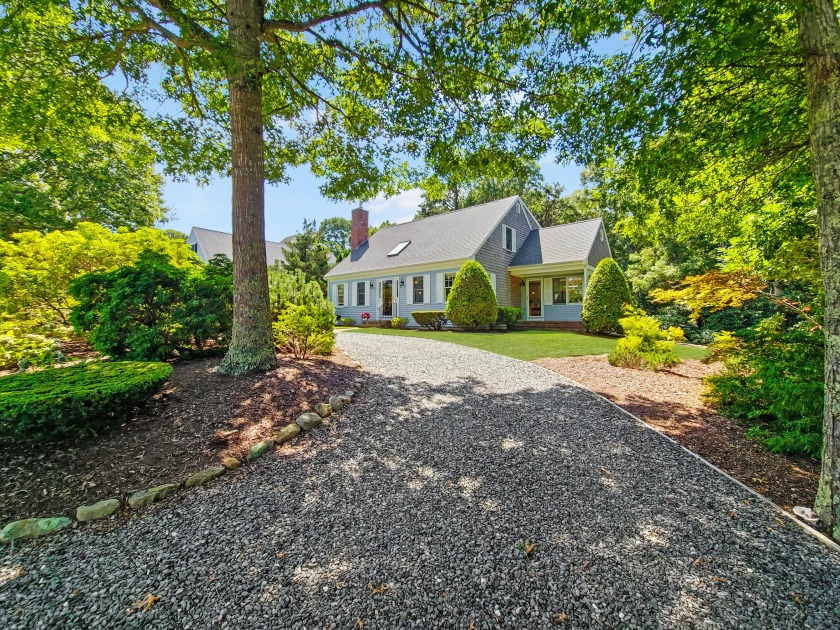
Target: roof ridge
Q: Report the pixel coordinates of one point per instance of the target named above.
(197, 227)
(551, 227)
(443, 214)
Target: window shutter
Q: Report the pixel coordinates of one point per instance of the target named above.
(440, 289)
(427, 288)
(504, 233)
(493, 281)
(367, 293)
(547, 292)
(513, 240)
(346, 292)
(409, 286)
(353, 295)
(334, 294)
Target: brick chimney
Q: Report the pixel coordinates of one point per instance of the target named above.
(358, 228)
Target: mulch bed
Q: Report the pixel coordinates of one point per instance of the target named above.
(199, 418)
(670, 400)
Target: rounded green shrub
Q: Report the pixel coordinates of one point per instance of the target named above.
(433, 320)
(606, 296)
(76, 400)
(472, 301)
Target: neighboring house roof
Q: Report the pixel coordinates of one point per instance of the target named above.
(451, 236)
(213, 242)
(566, 243)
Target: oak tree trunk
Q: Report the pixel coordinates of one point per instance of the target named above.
(251, 348)
(819, 39)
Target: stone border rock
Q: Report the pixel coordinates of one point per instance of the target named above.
(30, 528)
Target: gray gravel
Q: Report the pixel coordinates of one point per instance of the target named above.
(448, 461)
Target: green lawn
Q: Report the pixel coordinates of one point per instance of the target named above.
(525, 344)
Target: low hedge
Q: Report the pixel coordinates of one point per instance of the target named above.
(77, 400)
(433, 320)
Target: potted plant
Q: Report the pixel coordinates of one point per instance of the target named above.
(365, 317)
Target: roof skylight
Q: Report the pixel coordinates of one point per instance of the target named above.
(396, 251)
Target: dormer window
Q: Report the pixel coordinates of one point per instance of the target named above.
(396, 251)
(508, 238)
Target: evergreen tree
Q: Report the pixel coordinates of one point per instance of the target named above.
(308, 254)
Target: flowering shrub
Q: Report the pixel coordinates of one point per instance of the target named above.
(365, 316)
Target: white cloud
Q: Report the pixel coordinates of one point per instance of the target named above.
(398, 209)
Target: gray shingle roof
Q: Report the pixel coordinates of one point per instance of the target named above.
(213, 242)
(570, 242)
(451, 236)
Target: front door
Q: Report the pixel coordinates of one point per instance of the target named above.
(535, 299)
(386, 298)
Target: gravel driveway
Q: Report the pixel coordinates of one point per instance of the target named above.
(412, 508)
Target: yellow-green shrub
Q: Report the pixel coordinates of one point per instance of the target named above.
(645, 344)
(306, 329)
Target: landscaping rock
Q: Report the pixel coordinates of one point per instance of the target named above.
(203, 476)
(323, 409)
(231, 463)
(350, 393)
(259, 449)
(336, 403)
(142, 498)
(98, 510)
(345, 399)
(286, 433)
(308, 420)
(32, 528)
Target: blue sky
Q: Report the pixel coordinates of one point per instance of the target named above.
(287, 206)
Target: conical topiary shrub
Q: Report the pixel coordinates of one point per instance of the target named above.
(606, 296)
(472, 301)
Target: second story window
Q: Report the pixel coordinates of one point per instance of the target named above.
(508, 238)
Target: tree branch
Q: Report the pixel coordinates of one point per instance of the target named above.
(270, 26)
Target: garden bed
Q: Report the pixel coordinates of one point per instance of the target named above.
(670, 401)
(199, 418)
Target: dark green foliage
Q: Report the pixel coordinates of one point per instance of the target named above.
(207, 310)
(77, 400)
(433, 320)
(606, 297)
(309, 254)
(703, 330)
(472, 301)
(153, 310)
(774, 382)
(510, 316)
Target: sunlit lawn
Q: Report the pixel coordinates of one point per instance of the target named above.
(525, 344)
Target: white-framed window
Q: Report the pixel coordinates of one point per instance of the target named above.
(448, 280)
(194, 247)
(508, 238)
(558, 290)
(417, 289)
(361, 293)
(567, 290)
(339, 294)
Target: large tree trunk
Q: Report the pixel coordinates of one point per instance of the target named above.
(251, 347)
(819, 39)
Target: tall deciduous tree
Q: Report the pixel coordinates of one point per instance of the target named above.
(720, 81)
(346, 87)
